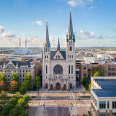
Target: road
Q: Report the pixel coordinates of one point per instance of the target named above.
(56, 104)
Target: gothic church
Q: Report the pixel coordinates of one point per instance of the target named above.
(58, 67)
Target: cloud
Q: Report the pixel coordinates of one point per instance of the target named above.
(76, 3)
(91, 7)
(9, 34)
(40, 23)
(1, 28)
(87, 34)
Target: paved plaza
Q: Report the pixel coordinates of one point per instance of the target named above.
(59, 104)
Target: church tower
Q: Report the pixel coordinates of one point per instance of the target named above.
(46, 58)
(70, 54)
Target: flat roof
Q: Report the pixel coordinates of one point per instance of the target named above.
(108, 88)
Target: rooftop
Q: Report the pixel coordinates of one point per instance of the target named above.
(108, 86)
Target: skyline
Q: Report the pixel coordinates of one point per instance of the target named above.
(94, 22)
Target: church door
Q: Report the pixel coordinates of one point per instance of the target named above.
(58, 86)
(51, 87)
(46, 86)
(64, 87)
(70, 85)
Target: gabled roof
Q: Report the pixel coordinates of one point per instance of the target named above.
(20, 63)
(62, 52)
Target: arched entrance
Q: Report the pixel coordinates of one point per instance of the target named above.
(46, 86)
(64, 87)
(70, 85)
(58, 86)
(51, 87)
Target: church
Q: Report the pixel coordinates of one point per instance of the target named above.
(58, 67)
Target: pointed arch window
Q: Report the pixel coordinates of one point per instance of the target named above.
(46, 49)
(69, 69)
(46, 69)
(70, 48)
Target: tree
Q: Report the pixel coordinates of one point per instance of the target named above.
(28, 81)
(13, 86)
(15, 77)
(23, 88)
(37, 81)
(3, 98)
(89, 88)
(98, 71)
(2, 77)
(84, 90)
(85, 82)
(2, 86)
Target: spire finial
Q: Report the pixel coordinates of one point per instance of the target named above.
(58, 46)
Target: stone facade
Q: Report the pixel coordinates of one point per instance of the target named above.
(19, 67)
(58, 69)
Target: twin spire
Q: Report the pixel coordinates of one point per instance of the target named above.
(70, 27)
(70, 33)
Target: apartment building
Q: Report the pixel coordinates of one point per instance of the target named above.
(103, 96)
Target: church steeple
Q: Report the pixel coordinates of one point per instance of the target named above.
(58, 46)
(46, 41)
(70, 27)
(70, 34)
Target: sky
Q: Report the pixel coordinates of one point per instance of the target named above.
(94, 22)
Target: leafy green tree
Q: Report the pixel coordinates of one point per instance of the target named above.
(4, 98)
(84, 90)
(98, 71)
(15, 77)
(89, 88)
(28, 81)
(37, 81)
(2, 77)
(85, 82)
(23, 88)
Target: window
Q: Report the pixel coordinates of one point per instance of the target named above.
(72, 56)
(114, 114)
(89, 70)
(46, 77)
(108, 104)
(113, 74)
(109, 69)
(114, 104)
(69, 77)
(45, 56)
(56, 57)
(10, 66)
(46, 49)
(69, 69)
(109, 74)
(70, 48)
(23, 70)
(102, 104)
(84, 74)
(102, 114)
(46, 69)
(84, 68)
(113, 69)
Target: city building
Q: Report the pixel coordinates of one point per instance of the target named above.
(19, 67)
(59, 66)
(103, 96)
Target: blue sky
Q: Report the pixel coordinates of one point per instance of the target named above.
(94, 22)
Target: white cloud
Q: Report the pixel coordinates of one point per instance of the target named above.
(91, 7)
(76, 3)
(9, 34)
(40, 23)
(1, 28)
(87, 34)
